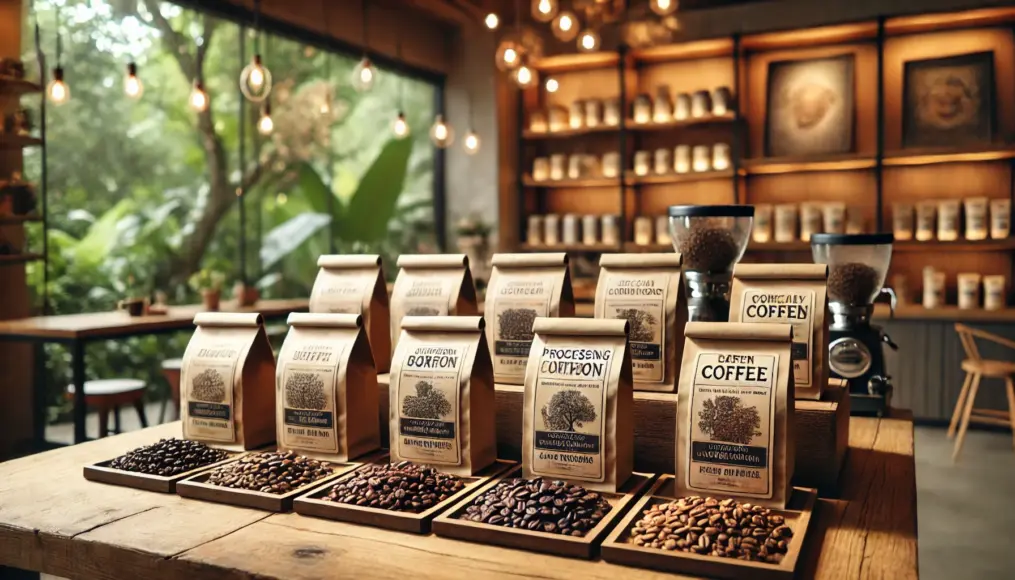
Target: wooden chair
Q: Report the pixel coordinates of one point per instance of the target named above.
(171, 371)
(109, 395)
(978, 368)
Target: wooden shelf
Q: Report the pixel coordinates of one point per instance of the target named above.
(684, 51)
(631, 179)
(1004, 245)
(916, 157)
(19, 258)
(821, 36)
(19, 219)
(728, 118)
(577, 61)
(595, 248)
(797, 246)
(949, 21)
(809, 164)
(633, 248)
(540, 136)
(527, 181)
(943, 314)
(17, 87)
(18, 141)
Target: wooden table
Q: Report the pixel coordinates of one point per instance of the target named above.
(77, 330)
(53, 521)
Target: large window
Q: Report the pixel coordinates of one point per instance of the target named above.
(143, 193)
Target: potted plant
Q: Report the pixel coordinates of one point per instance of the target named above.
(209, 283)
(135, 301)
(245, 295)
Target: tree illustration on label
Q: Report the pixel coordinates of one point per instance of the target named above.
(516, 324)
(567, 410)
(423, 311)
(305, 391)
(641, 324)
(726, 419)
(208, 386)
(427, 403)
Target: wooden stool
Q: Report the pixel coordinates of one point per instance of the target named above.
(111, 394)
(978, 368)
(171, 371)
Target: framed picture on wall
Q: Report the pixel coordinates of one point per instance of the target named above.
(949, 102)
(810, 107)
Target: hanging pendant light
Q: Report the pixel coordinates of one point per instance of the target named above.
(132, 86)
(492, 21)
(265, 125)
(565, 26)
(588, 40)
(57, 90)
(552, 85)
(509, 54)
(255, 78)
(525, 76)
(663, 7)
(471, 141)
(544, 10)
(400, 127)
(364, 75)
(441, 133)
(198, 97)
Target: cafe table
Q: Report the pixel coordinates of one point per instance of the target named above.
(54, 521)
(77, 330)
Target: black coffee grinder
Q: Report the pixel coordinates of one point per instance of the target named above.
(857, 266)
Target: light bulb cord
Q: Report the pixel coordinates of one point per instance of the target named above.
(366, 27)
(59, 39)
(257, 26)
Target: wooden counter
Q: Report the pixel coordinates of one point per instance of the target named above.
(53, 520)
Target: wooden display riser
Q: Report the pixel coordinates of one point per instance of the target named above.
(822, 432)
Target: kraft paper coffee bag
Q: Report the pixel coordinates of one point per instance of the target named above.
(645, 290)
(432, 285)
(578, 410)
(355, 285)
(793, 294)
(735, 412)
(227, 382)
(441, 409)
(523, 287)
(326, 388)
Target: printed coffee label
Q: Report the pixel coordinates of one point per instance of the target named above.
(732, 424)
(517, 305)
(641, 300)
(428, 404)
(343, 293)
(209, 385)
(795, 308)
(428, 297)
(570, 400)
(309, 408)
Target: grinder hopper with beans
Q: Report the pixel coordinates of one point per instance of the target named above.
(857, 266)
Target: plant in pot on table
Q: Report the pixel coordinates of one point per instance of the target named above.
(208, 283)
(135, 301)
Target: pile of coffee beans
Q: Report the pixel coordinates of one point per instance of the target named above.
(554, 507)
(275, 472)
(401, 487)
(727, 529)
(852, 283)
(168, 457)
(708, 247)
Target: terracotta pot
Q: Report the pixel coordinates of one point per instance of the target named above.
(133, 306)
(211, 299)
(245, 295)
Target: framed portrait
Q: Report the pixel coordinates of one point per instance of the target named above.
(810, 107)
(949, 102)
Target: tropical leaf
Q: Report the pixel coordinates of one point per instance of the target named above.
(373, 205)
(284, 239)
(102, 234)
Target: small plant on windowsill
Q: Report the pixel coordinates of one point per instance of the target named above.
(208, 283)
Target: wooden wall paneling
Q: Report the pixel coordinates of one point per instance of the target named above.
(583, 200)
(899, 50)
(656, 199)
(511, 200)
(855, 188)
(865, 96)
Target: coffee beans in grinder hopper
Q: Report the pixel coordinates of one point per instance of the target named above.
(168, 457)
(271, 472)
(402, 487)
(542, 505)
(852, 283)
(705, 525)
(708, 247)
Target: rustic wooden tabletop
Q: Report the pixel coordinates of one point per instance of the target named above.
(53, 520)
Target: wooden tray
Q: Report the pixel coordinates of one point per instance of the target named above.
(618, 549)
(195, 487)
(310, 504)
(448, 524)
(103, 473)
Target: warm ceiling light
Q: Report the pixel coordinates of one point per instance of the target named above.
(441, 134)
(265, 125)
(255, 80)
(663, 7)
(552, 85)
(492, 21)
(400, 127)
(509, 55)
(544, 10)
(565, 26)
(471, 142)
(588, 41)
(526, 76)
(58, 91)
(132, 86)
(198, 97)
(363, 76)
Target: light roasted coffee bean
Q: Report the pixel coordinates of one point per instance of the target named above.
(741, 531)
(274, 472)
(402, 487)
(554, 507)
(168, 457)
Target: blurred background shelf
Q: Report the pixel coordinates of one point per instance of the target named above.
(10, 86)
(1004, 245)
(18, 141)
(562, 183)
(19, 258)
(19, 219)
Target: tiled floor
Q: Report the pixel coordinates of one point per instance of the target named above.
(965, 510)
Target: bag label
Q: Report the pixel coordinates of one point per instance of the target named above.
(308, 397)
(795, 308)
(517, 305)
(641, 300)
(210, 375)
(342, 293)
(429, 385)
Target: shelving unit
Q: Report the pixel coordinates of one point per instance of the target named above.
(17, 87)
(20, 258)
(877, 173)
(18, 141)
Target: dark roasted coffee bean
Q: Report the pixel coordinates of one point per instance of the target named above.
(168, 457)
(270, 472)
(751, 533)
(548, 506)
(418, 488)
